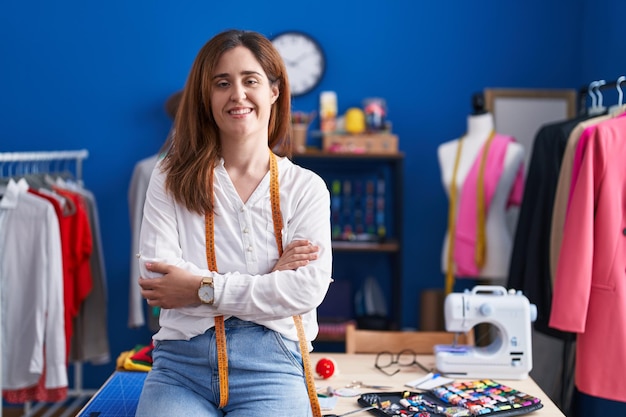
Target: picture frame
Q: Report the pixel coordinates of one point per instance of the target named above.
(522, 112)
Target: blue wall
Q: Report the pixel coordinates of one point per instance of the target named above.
(95, 75)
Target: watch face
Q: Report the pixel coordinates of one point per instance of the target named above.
(304, 60)
(206, 294)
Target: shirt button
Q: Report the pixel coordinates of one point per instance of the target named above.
(249, 248)
(246, 230)
(624, 232)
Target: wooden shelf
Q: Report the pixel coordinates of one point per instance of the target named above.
(316, 153)
(391, 246)
(323, 337)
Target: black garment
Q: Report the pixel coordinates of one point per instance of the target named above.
(586, 405)
(529, 268)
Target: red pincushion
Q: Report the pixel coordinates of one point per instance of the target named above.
(325, 367)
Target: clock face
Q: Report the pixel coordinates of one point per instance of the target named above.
(303, 58)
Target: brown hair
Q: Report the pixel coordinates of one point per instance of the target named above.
(193, 150)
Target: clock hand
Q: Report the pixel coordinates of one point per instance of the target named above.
(301, 57)
(296, 61)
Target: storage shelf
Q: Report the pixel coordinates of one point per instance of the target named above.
(316, 153)
(322, 337)
(390, 166)
(391, 246)
(333, 331)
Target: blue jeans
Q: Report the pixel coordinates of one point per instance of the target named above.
(265, 378)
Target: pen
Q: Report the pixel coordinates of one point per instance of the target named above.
(351, 412)
(429, 377)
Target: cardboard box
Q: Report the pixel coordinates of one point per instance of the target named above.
(385, 143)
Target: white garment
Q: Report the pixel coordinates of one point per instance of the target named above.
(136, 198)
(501, 218)
(31, 275)
(245, 251)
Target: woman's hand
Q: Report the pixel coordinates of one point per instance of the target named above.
(298, 253)
(176, 288)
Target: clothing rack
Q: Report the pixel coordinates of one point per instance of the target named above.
(583, 92)
(76, 157)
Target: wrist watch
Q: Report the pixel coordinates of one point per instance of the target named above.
(206, 291)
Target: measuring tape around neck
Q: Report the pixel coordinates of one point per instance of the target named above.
(480, 253)
(220, 334)
(278, 232)
(454, 197)
(452, 220)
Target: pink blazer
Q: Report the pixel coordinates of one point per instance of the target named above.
(589, 296)
(578, 156)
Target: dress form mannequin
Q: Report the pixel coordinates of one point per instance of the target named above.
(498, 228)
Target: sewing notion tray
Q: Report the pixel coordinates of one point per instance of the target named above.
(457, 399)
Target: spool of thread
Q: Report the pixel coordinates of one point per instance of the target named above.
(354, 120)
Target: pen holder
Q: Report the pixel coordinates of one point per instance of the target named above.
(298, 135)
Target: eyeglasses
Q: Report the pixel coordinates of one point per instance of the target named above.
(405, 358)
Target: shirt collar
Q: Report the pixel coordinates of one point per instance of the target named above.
(12, 193)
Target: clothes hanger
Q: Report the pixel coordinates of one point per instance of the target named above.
(618, 108)
(599, 94)
(597, 108)
(592, 95)
(34, 175)
(4, 179)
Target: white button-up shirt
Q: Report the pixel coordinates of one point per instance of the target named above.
(245, 250)
(31, 280)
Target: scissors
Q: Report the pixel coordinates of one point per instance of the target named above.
(350, 412)
(359, 384)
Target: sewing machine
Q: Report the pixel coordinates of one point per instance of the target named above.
(509, 355)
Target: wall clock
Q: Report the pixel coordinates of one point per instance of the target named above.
(304, 59)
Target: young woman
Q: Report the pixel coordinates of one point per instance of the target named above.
(235, 236)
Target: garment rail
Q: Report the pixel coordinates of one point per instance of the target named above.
(583, 92)
(75, 157)
(32, 157)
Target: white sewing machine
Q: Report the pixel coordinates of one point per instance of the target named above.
(509, 355)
